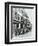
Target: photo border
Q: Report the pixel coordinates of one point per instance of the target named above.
(7, 22)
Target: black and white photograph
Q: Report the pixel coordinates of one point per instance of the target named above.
(21, 22)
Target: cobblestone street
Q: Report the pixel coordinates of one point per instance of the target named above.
(23, 37)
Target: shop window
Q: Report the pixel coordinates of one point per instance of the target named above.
(21, 25)
(17, 25)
